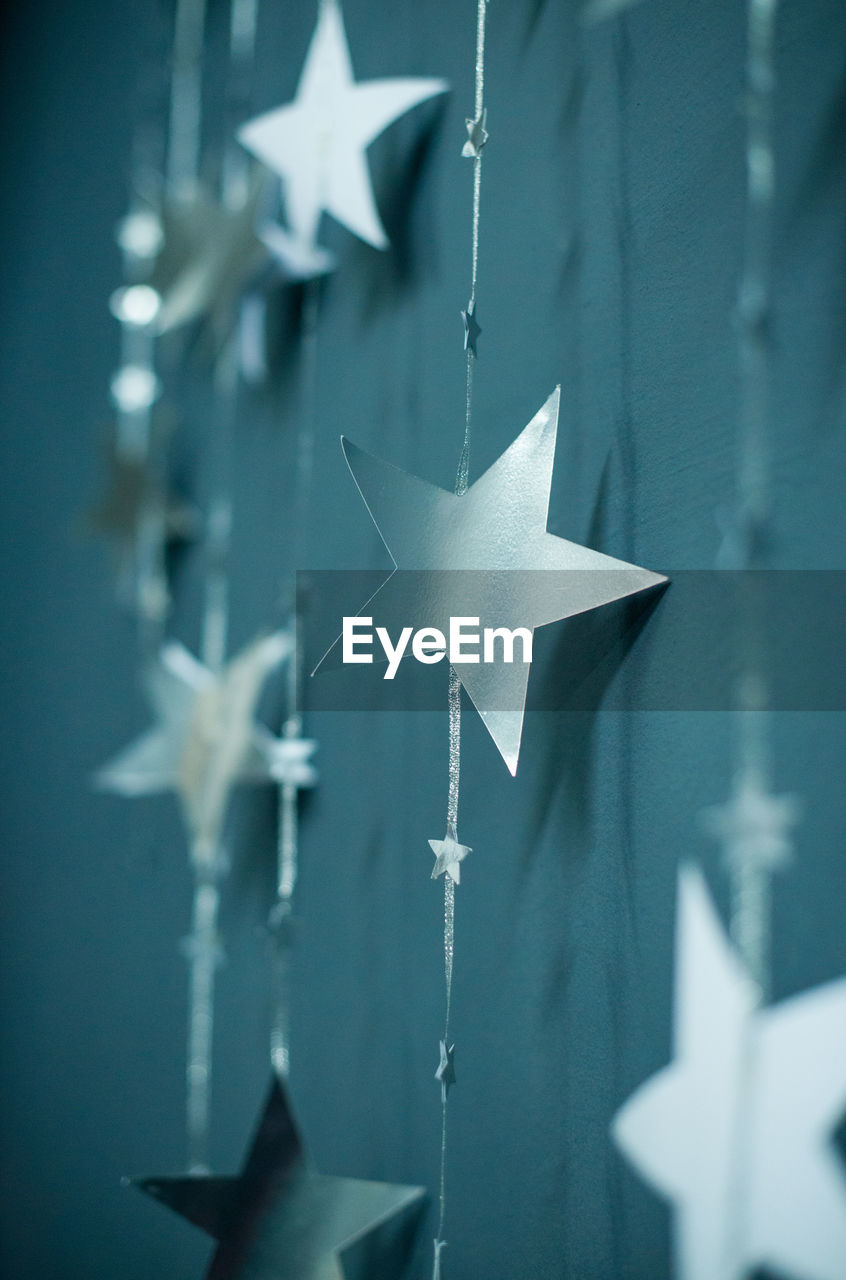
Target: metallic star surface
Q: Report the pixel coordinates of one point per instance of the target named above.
(477, 135)
(318, 143)
(445, 1072)
(496, 528)
(449, 855)
(278, 1220)
(754, 826)
(737, 1131)
(206, 739)
(471, 329)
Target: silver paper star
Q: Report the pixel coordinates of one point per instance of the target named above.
(498, 528)
(477, 135)
(445, 1072)
(278, 1220)
(318, 143)
(206, 739)
(471, 328)
(449, 855)
(754, 827)
(736, 1132)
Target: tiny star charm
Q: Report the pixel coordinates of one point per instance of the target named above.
(477, 136)
(446, 1068)
(449, 855)
(471, 329)
(754, 826)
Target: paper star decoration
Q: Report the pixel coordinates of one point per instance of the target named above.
(445, 1072)
(736, 1131)
(497, 527)
(205, 741)
(754, 827)
(471, 328)
(477, 136)
(212, 254)
(449, 855)
(317, 143)
(278, 1220)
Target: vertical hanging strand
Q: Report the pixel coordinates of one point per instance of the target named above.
(287, 861)
(750, 876)
(462, 481)
(203, 949)
(186, 98)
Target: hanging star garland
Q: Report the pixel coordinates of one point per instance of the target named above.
(206, 739)
(278, 1220)
(318, 143)
(445, 1072)
(449, 855)
(754, 826)
(736, 1131)
(497, 527)
(472, 332)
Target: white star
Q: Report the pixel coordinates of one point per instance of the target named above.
(449, 855)
(317, 143)
(289, 760)
(736, 1131)
(206, 739)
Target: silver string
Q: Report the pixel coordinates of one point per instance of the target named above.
(203, 948)
(186, 99)
(287, 860)
(462, 480)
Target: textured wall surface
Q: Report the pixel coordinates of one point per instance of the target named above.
(611, 235)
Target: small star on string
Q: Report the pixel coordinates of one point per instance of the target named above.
(289, 761)
(754, 826)
(477, 136)
(446, 1068)
(449, 855)
(471, 329)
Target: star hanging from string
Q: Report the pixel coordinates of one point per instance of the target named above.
(477, 135)
(471, 328)
(525, 576)
(289, 760)
(445, 1072)
(449, 855)
(212, 255)
(206, 739)
(318, 143)
(737, 1131)
(278, 1220)
(754, 826)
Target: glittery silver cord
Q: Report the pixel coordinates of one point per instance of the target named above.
(750, 888)
(186, 99)
(288, 828)
(203, 947)
(462, 481)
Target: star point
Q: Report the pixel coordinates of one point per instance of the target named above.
(754, 826)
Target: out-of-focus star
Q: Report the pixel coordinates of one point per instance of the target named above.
(754, 826)
(477, 135)
(206, 739)
(278, 1220)
(737, 1131)
(289, 760)
(449, 855)
(318, 143)
(445, 1072)
(471, 328)
(498, 529)
(212, 255)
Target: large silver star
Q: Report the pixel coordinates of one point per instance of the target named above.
(736, 1132)
(278, 1220)
(526, 577)
(317, 143)
(206, 739)
(754, 826)
(449, 855)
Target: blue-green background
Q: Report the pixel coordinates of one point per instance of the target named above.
(610, 247)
